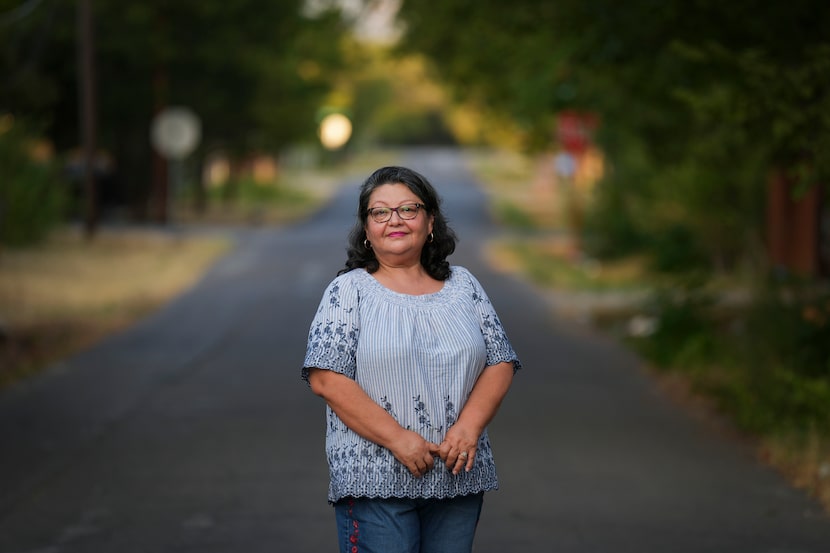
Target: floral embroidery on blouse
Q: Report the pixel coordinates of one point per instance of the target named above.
(417, 357)
(450, 412)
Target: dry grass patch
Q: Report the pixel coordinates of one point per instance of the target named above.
(805, 462)
(524, 191)
(67, 293)
(555, 262)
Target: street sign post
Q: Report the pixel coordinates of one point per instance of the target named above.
(175, 133)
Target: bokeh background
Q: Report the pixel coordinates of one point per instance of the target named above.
(661, 165)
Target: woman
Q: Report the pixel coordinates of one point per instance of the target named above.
(413, 363)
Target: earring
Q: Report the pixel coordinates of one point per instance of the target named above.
(367, 244)
(431, 238)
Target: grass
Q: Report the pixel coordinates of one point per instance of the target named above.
(66, 293)
(251, 204)
(523, 193)
(553, 262)
(805, 461)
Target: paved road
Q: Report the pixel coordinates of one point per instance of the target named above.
(192, 432)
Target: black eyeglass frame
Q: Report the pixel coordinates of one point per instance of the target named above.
(371, 212)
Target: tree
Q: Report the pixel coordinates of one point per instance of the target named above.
(699, 101)
(255, 72)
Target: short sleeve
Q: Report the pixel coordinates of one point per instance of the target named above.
(499, 349)
(332, 338)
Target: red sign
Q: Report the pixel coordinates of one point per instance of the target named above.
(574, 130)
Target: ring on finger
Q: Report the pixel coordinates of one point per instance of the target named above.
(463, 455)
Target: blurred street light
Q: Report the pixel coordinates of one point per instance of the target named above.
(335, 131)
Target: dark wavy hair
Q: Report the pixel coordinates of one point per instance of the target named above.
(435, 252)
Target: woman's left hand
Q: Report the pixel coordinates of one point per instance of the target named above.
(458, 450)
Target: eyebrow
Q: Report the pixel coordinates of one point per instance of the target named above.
(400, 204)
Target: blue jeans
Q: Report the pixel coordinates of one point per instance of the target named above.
(374, 525)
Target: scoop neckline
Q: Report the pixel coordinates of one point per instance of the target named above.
(375, 283)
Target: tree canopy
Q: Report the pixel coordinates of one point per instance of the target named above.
(698, 101)
(254, 72)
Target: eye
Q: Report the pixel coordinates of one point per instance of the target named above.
(408, 209)
(380, 211)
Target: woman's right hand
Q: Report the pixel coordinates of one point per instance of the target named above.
(414, 452)
(368, 419)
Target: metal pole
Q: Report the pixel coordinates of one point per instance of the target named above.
(86, 84)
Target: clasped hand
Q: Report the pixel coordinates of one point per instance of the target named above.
(457, 451)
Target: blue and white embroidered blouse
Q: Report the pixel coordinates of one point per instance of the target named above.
(416, 356)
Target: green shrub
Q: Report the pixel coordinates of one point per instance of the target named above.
(684, 335)
(32, 198)
(611, 231)
(767, 398)
(513, 216)
(674, 250)
(794, 324)
(771, 375)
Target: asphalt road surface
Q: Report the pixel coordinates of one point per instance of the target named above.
(192, 431)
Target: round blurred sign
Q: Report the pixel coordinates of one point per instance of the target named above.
(175, 132)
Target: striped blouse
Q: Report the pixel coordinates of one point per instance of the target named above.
(416, 356)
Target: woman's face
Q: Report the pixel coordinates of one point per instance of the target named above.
(397, 240)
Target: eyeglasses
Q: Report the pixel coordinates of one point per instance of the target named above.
(406, 211)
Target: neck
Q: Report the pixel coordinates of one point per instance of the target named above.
(402, 270)
(407, 279)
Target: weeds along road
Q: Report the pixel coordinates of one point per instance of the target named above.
(192, 431)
